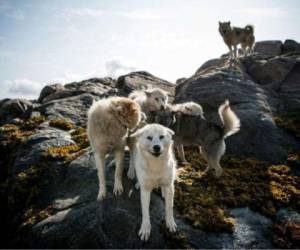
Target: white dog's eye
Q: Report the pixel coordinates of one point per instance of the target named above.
(156, 99)
(161, 137)
(149, 138)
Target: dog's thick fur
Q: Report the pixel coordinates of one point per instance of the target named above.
(188, 108)
(155, 166)
(234, 36)
(108, 123)
(150, 100)
(191, 130)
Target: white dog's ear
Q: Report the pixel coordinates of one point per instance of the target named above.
(137, 133)
(170, 131)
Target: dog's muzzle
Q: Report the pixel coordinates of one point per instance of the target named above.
(157, 151)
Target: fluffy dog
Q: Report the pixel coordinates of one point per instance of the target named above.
(191, 130)
(150, 100)
(233, 36)
(155, 166)
(108, 123)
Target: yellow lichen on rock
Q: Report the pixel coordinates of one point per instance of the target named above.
(61, 123)
(204, 200)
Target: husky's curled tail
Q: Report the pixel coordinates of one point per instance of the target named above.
(231, 123)
(249, 29)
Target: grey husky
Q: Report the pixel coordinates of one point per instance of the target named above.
(191, 130)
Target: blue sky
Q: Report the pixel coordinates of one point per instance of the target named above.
(43, 42)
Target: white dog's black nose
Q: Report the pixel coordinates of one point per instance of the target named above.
(156, 148)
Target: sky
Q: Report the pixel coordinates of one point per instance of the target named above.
(50, 41)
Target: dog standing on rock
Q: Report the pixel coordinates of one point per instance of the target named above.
(234, 36)
(150, 100)
(109, 121)
(195, 130)
(155, 166)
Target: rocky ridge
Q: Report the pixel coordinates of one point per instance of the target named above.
(49, 181)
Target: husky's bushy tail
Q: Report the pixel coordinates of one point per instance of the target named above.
(229, 119)
(250, 29)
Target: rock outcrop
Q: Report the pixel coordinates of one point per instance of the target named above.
(49, 180)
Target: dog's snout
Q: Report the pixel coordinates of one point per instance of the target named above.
(162, 107)
(156, 148)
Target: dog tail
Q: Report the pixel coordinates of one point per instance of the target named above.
(250, 29)
(229, 119)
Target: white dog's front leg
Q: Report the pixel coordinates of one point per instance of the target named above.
(100, 164)
(145, 229)
(169, 197)
(130, 173)
(118, 186)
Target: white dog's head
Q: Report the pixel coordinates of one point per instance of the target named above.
(157, 99)
(154, 139)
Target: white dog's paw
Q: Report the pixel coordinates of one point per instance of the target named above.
(130, 173)
(118, 188)
(171, 225)
(101, 194)
(145, 230)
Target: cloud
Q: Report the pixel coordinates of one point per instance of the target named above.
(81, 12)
(145, 15)
(264, 12)
(16, 14)
(23, 87)
(115, 68)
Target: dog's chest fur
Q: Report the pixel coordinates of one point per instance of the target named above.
(155, 172)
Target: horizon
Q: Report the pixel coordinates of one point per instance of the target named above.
(44, 42)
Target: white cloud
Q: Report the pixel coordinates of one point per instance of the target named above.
(81, 12)
(24, 87)
(16, 14)
(146, 15)
(264, 12)
(115, 68)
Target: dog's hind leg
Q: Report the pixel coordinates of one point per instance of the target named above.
(169, 202)
(235, 51)
(100, 164)
(181, 155)
(204, 155)
(145, 229)
(118, 187)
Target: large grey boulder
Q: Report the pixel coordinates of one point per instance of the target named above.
(94, 86)
(290, 46)
(253, 104)
(13, 108)
(142, 80)
(270, 72)
(268, 48)
(50, 89)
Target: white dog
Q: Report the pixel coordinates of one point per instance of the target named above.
(155, 166)
(150, 100)
(108, 123)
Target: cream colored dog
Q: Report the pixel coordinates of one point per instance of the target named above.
(108, 123)
(150, 100)
(155, 166)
